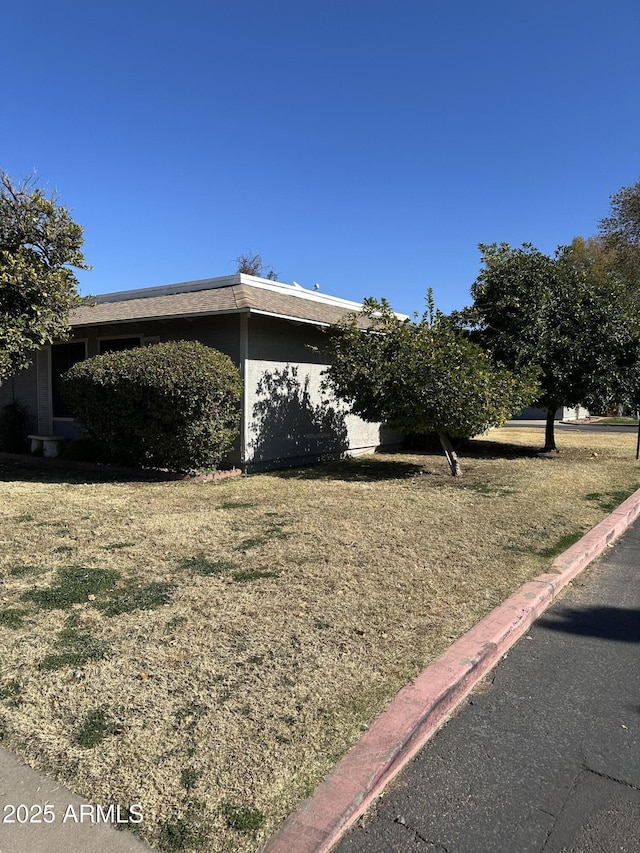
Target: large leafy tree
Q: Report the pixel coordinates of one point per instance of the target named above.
(620, 233)
(40, 244)
(420, 377)
(592, 255)
(576, 327)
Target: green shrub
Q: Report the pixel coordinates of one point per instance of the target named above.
(85, 450)
(172, 405)
(14, 426)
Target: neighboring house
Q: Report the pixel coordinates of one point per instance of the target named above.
(268, 328)
(563, 414)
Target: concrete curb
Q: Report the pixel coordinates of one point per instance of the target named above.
(422, 706)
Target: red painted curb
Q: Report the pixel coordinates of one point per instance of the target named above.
(422, 706)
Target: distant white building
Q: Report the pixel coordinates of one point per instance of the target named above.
(563, 414)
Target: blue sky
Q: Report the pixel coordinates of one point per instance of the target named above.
(368, 146)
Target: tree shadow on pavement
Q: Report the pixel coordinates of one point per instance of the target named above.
(607, 623)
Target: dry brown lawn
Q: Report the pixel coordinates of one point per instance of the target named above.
(209, 650)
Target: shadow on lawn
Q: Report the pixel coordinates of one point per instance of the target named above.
(25, 468)
(360, 469)
(385, 467)
(484, 449)
(30, 469)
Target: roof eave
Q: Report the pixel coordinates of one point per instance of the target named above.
(195, 315)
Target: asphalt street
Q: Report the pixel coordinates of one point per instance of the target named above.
(544, 757)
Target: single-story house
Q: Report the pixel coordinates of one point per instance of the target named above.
(268, 328)
(564, 413)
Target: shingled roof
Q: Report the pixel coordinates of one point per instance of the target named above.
(225, 295)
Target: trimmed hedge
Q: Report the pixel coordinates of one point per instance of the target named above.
(172, 405)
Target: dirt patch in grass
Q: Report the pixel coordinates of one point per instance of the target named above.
(213, 649)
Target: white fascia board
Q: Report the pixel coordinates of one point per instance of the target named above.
(295, 290)
(226, 281)
(169, 289)
(308, 295)
(301, 293)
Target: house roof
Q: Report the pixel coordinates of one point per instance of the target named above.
(238, 293)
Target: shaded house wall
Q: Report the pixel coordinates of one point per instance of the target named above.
(23, 387)
(35, 386)
(287, 419)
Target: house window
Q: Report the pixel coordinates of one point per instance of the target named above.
(117, 344)
(63, 356)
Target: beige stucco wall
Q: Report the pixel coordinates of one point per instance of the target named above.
(290, 419)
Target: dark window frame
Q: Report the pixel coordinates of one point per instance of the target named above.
(119, 344)
(63, 356)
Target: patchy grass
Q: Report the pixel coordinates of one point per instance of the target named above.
(137, 597)
(253, 575)
(22, 571)
(175, 622)
(12, 617)
(608, 501)
(189, 777)
(492, 489)
(561, 544)
(188, 831)
(260, 623)
(74, 649)
(73, 584)
(271, 531)
(10, 693)
(118, 546)
(64, 549)
(616, 421)
(95, 727)
(201, 564)
(242, 818)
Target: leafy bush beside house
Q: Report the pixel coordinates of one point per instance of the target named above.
(421, 377)
(173, 405)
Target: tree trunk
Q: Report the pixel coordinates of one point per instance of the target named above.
(549, 433)
(452, 456)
